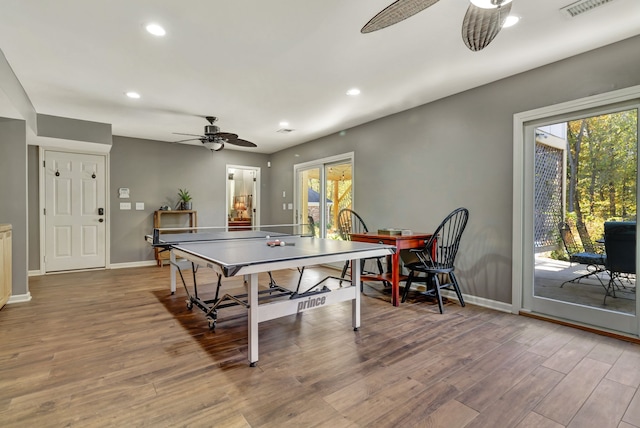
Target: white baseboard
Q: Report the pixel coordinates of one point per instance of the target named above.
(19, 298)
(480, 301)
(143, 263)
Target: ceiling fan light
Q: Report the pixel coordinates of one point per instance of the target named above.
(213, 146)
(489, 4)
(511, 21)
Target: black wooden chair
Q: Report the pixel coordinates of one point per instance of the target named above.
(620, 246)
(350, 222)
(436, 259)
(594, 262)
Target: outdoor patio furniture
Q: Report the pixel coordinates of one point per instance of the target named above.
(620, 245)
(594, 261)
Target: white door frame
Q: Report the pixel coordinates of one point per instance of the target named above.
(522, 246)
(256, 187)
(42, 191)
(319, 163)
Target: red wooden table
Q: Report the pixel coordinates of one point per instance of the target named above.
(401, 242)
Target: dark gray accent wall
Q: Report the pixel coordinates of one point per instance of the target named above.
(414, 167)
(13, 195)
(154, 171)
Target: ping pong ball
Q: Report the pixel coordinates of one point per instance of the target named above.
(268, 237)
(282, 243)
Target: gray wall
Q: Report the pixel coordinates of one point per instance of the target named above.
(33, 180)
(154, 171)
(73, 129)
(13, 195)
(411, 168)
(414, 167)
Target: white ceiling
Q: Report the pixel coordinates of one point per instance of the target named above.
(255, 63)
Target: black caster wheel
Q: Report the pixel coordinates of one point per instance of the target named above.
(212, 324)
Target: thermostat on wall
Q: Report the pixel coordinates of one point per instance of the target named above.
(123, 193)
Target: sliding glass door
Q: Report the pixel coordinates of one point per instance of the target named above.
(322, 188)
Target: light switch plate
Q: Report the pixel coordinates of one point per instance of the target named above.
(125, 205)
(139, 206)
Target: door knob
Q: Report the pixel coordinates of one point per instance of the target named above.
(101, 220)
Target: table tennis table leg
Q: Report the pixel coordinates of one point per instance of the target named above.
(252, 292)
(174, 271)
(355, 303)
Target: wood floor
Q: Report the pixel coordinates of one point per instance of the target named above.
(115, 349)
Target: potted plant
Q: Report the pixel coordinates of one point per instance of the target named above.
(184, 199)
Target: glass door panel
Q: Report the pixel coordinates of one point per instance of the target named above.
(585, 174)
(339, 194)
(308, 185)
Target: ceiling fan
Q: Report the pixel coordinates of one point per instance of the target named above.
(481, 24)
(215, 140)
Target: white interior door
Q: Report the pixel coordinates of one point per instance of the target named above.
(75, 225)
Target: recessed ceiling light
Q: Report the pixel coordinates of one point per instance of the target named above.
(132, 94)
(511, 21)
(353, 92)
(489, 4)
(284, 124)
(156, 30)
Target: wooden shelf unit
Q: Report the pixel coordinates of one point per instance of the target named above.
(174, 216)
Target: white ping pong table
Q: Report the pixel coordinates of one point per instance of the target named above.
(248, 253)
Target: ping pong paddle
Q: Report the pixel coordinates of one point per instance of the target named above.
(279, 243)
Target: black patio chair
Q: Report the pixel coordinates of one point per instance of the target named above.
(436, 259)
(594, 262)
(350, 222)
(312, 226)
(620, 246)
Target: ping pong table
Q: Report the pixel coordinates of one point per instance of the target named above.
(249, 253)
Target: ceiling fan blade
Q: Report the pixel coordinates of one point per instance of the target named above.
(191, 135)
(225, 135)
(396, 12)
(188, 139)
(241, 142)
(480, 26)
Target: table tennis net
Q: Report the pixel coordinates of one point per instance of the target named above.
(174, 235)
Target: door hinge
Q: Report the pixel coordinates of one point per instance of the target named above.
(44, 211)
(255, 179)
(44, 163)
